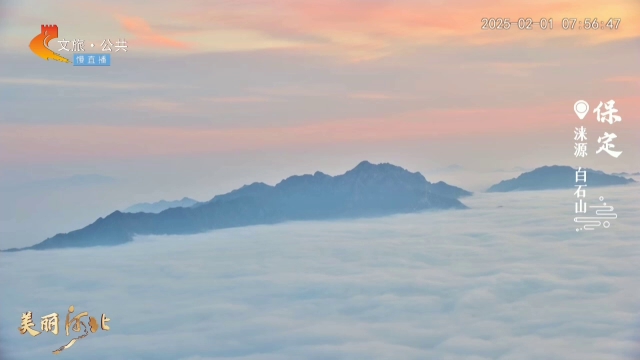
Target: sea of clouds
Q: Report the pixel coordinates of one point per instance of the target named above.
(509, 278)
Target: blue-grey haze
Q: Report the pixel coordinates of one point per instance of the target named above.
(160, 206)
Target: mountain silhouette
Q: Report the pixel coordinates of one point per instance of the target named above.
(368, 190)
(556, 177)
(160, 206)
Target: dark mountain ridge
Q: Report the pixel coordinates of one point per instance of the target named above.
(368, 190)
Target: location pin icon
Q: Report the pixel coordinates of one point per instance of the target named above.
(581, 108)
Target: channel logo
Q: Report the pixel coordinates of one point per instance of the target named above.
(40, 44)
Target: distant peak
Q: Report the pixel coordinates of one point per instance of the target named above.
(556, 177)
(255, 185)
(366, 165)
(116, 213)
(553, 167)
(363, 164)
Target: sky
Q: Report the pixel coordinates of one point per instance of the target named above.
(212, 95)
(516, 282)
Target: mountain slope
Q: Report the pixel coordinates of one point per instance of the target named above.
(365, 191)
(556, 177)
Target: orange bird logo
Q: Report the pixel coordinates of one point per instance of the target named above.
(40, 44)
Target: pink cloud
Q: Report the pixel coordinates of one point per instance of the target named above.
(71, 83)
(42, 143)
(376, 96)
(238, 100)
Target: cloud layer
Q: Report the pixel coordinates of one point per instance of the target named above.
(515, 282)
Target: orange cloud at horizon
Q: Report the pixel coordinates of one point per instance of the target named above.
(625, 79)
(370, 29)
(357, 30)
(50, 143)
(144, 36)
